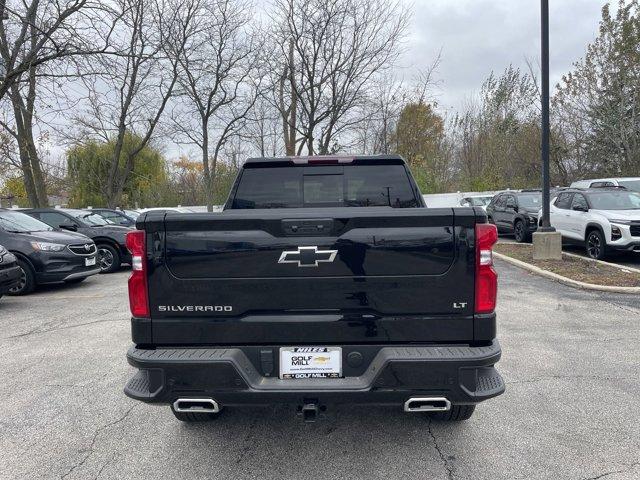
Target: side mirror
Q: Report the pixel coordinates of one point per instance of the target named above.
(580, 208)
(512, 206)
(69, 226)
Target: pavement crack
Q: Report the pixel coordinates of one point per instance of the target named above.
(104, 465)
(443, 458)
(627, 468)
(94, 439)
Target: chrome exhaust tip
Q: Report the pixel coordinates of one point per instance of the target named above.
(427, 404)
(203, 405)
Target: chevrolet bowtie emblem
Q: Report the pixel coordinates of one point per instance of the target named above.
(308, 256)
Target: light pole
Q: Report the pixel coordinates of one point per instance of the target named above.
(547, 243)
(546, 225)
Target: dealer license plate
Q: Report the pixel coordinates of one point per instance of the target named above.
(90, 261)
(310, 362)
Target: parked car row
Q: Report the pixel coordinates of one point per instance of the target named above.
(63, 245)
(108, 237)
(603, 215)
(51, 245)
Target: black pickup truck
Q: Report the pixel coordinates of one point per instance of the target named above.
(325, 280)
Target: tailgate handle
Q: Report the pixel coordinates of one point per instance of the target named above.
(308, 226)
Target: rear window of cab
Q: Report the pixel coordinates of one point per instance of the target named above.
(325, 186)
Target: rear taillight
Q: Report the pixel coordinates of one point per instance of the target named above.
(486, 276)
(138, 298)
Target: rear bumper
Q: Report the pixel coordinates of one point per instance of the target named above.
(462, 374)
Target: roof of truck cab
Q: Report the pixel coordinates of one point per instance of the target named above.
(324, 158)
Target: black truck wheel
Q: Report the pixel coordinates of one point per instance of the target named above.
(27, 283)
(457, 413)
(108, 258)
(195, 416)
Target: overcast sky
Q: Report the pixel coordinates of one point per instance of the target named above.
(478, 36)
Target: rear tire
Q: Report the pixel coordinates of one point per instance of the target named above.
(108, 258)
(195, 416)
(457, 413)
(595, 245)
(27, 280)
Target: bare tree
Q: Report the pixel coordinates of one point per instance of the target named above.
(263, 128)
(332, 50)
(379, 112)
(20, 127)
(218, 81)
(386, 96)
(33, 33)
(35, 37)
(133, 83)
(286, 100)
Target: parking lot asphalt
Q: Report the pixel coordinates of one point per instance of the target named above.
(570, 361)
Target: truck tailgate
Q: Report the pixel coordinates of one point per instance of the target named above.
(311, 276)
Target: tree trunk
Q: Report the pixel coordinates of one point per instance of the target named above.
(310, 140)
(289, 115)
(34, 158)
(27, 178)
(38, 176)
(23, 149)
(111, 188)
(206, 170)
(208, 187)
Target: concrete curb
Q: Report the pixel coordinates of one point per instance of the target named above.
(574, 255)
(565, 280)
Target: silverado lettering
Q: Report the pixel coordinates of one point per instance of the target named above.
(195, 308)
(398, 308)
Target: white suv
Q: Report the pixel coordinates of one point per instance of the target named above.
(601, 219)
(630, 183)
